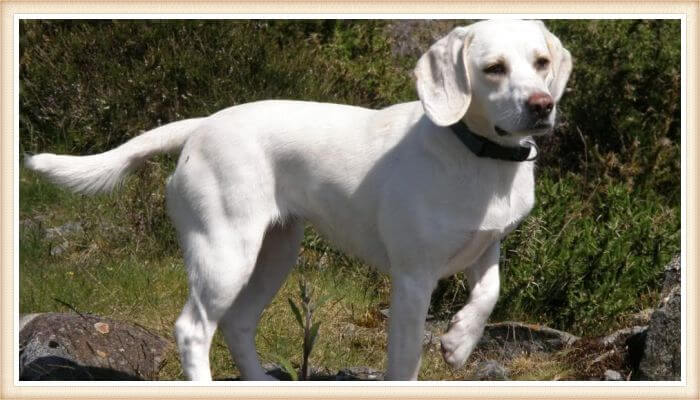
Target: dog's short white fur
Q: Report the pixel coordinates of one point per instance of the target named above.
(394, 187)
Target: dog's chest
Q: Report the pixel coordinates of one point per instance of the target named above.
(505, 212)
(493, 200)
(495, 210)
(471, 248)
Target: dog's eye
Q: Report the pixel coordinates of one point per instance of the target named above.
(495, 69)
(541, 63)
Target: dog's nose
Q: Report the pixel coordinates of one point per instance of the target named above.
(540, 104)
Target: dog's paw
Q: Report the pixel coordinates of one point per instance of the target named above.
(456, 347)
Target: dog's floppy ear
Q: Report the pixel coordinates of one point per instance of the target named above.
(441, 78)
(561, 64)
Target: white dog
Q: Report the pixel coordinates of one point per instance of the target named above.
(419, 190)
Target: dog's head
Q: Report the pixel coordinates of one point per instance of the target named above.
(504, 76)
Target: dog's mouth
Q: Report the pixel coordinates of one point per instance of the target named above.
(500, 131)
(539, 128)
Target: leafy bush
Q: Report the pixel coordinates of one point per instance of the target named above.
(621, 117)
(585, 257)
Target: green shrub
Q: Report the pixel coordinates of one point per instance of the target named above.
(621, 117)
(90, 85)
(586, 256)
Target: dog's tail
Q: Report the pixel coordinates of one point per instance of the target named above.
(103, 172)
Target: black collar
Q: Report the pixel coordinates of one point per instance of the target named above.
(483, 147)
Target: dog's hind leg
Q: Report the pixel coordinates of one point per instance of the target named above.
(220, 247)
(220, 263)
(277, 256)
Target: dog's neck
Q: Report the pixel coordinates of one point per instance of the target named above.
(482, 126)
(475, 137)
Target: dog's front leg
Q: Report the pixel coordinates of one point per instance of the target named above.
(410, 298)
(467, 326)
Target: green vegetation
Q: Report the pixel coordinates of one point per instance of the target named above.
(592, 252)
(309, 304)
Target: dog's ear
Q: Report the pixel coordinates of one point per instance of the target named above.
(561, 64)
(441, 78)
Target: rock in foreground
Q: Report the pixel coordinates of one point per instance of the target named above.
(661, 360)
(58, 346)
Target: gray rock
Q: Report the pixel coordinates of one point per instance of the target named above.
(59, 248)
(672, 276)
(24, 319)
(359, 374)
(276, 371)
(56, 346)
(490, 370)
(33, 222)
(620, 336)
(431, 339)
(64, 230)
(611, 375)
(60, 234)
(662, 348)
(661, 356)
(323, 374)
